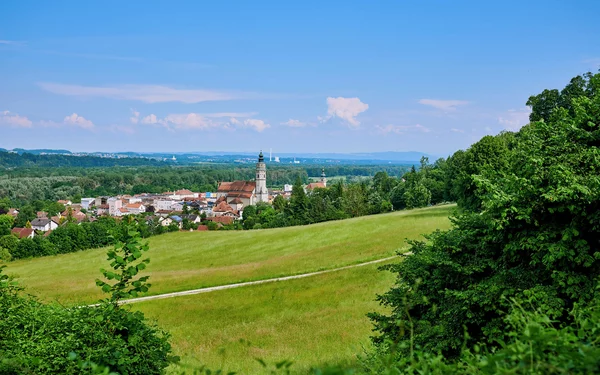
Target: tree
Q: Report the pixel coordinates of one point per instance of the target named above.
(126, 263)
(298, 206)
(535, 241)
(417, 196)
(6, 224)
(280, 203)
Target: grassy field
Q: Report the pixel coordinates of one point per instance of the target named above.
(182, 261)
(313, 321)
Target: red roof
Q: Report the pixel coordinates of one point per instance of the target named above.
(236, 201)
(223, 207)
(221, 219)
(314, 185)
(22, 232)
(237, 187)
(134, 205)
(184, 192)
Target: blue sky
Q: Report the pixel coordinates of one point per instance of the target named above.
(310, 76)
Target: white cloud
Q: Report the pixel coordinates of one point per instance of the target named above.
(77, 120)
(445, 105)
(401, 129)
(457, 130)
(150, 119)
(294, 123)
(135, 116)
(201, 121)
(514, 119)
(345, 108)
(258, 125)
(187, 121)
(13, 119)
(144, 93)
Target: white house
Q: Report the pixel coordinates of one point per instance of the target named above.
(87, 203)
(163, 204)
(43, 224)
(135, 208)
(114, 205)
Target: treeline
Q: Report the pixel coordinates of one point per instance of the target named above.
(24, 185)
(513, 287)
(16, 160)
(71, 237)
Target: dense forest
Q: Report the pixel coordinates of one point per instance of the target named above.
(19, 160)
(24, 185)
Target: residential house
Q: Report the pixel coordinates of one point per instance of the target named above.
(192, 218)
(23, 232)
(100, 201)
(43, 224)
(163, 204)
(165, 221)
(114, 206)
(135, 208)
(65, 202)
(13, 212)
(102, 209)
(223, 209)
(178, 220)
(184, 193)
(87, 203)
(225, 220)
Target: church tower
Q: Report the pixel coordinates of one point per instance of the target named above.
(323, 178)
(262, 194)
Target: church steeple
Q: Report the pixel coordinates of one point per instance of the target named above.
(262, 194)
(323, 177)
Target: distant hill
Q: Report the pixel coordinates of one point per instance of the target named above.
(25, 160)
(41, 151)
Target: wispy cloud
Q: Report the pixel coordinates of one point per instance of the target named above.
(13, 119)
(401, 129)
(135, 116)
(144, 93)
(76, 120)
(294, 123)
(445, 105)
(199, 121)
(514, 119)
(12, 42)
(346, 109)
(258, 125)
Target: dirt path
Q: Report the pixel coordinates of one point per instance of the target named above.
(238, 285)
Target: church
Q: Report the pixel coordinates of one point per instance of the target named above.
(247, 192)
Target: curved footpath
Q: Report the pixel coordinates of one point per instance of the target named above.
(238, 285)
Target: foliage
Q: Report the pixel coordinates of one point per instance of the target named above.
(125, 260)
(534, 238)
(47, 339)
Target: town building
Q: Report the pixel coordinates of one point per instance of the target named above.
(23, 232)
(43, 224)
(248, 192)
(322, 183)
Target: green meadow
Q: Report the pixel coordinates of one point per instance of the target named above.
(311, 321)
(183, 260)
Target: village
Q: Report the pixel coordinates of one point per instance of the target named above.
(222, 207)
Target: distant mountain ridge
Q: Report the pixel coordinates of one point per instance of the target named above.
(397, 157)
